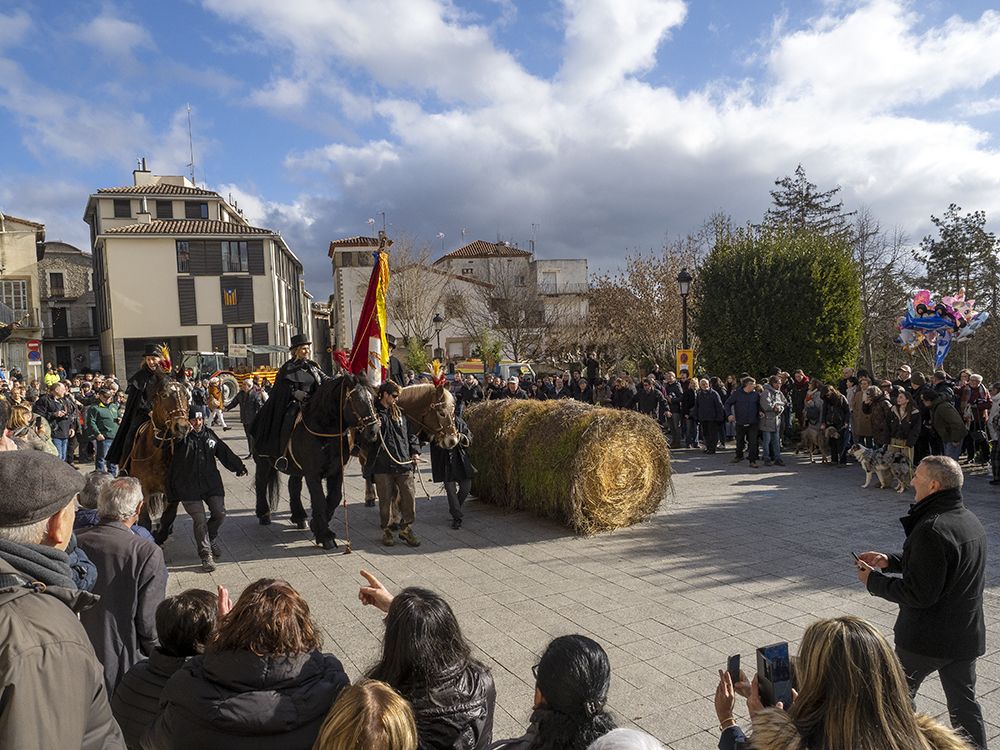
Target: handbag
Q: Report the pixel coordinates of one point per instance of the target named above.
(898, 443)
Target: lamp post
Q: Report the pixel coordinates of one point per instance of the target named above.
(684, 282)
(438, 321)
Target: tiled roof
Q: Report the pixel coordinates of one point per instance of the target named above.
(35, 224)
(160, 188)
(352, 242)
(187, 226)
(482, 249)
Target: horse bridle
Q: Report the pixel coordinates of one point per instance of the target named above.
(173, 416)
(442, 429)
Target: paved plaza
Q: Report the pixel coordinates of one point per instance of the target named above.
(735, 559)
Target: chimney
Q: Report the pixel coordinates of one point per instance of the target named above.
(144, 217)
(141, 175)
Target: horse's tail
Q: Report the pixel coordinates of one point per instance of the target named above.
(266, 479)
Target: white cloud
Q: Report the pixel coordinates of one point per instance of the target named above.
(13, 28)
(115, 37)
(282, 94)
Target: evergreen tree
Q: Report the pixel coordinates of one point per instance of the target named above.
(799, 204)
(769, 297)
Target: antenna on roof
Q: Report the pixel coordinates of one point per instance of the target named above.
(191, 146)
(531, 242)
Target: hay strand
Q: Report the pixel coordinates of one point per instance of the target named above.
(589, 468)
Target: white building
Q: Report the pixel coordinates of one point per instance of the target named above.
(21, 247)
(177, 263)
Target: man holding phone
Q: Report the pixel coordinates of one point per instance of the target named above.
(940, 627)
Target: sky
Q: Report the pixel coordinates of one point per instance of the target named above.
(598, 127)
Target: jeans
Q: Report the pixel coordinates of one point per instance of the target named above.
(457, 493)
(101, 448)
(206, 530)
(746, 440)
(952, 450)
(675, 420)
(692, 432)
(61, 444)
(958, 680)
(772, 446)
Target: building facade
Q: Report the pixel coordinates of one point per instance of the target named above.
(352, 259)
(21, 247)
(177, 263)
(68, 308)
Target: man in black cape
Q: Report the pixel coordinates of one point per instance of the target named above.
(142, 387)
(395, 366)
(295, 382)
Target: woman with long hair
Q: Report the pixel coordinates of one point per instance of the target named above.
(571, 692)
(369, 715)
(427, 660)
(852, 694)
(262, 682)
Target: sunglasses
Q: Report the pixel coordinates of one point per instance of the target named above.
(534, 670)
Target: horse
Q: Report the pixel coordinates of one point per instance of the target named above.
(318, 448)
(153, 447)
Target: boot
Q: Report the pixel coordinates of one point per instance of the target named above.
(216, 549)
(409, 537)
(387, 538)
(208, 564)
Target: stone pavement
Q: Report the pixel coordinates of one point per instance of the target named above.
(737, 558)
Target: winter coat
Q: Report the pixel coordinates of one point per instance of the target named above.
(946, 421)
(214, 400)
(131, 581)
(879, 411)
(236, 700)
(652, 403)
(136, 702)
(194, 473)
(586, 395)
(400, 441)
(48, 405)
(470, 394)
(975, 405)
(708, 407)
(799, 390)
(621, 398)
(861, 420)
(943, 569)
(835, 412)
(101, 420)
(745, 407)
(59, 699)
(674, 393)
(772, 404)
(457, 712)
(687, 398)
(520, 393)
(250, 403)
(774, 729)
(906, 427)
(452, 465)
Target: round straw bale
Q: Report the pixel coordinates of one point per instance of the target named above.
(590, 468)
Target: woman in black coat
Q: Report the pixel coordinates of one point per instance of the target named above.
(455, 470)
(709, 413)
(262, 683)
(837, 414)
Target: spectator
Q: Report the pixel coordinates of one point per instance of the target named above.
(940, 627)
(974, 407)
(60, 412)
(471, 392)
(131, 581)
(946, 422)
(836, 414)
(53, 688)
(799, 388)
(602, 394)
(184, 624)
(250, 400)
(772, 404)
(216, 402)
(903, 376)
(875, 403)
(709, 412)
(454, 468)
(861, 420)
(86, 513)
(6, 442)
(650, 400)
(993, 423)
(845, 381)
(852, 694)
(674, 393)
(262, 682)
(101, 426)
(904, 425)
(743, 410)
(626, 739)
(571, 691)
(592, 367)
(513, 389)
(199, 394)
(369, 715)
(690, 424)
(583, 392)
(813, 409)
(428, 661)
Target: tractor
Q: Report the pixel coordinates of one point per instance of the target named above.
(205, 365)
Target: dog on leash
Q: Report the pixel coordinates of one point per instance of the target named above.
(816, 440)
(882, 464)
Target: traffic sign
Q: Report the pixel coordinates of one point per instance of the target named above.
(34, 352)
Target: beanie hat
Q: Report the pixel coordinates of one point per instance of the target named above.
(34, 486)
(918, 379)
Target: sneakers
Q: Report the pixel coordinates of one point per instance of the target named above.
(778, 462)
(216, 549)
(300, 524)
(767, 462)
(409, 537)
(264, 520)
(456, 523)
(387, 538)
(753, 464)
(737, 459)
(208, 564)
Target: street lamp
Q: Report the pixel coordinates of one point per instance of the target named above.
(438, 321)
(684, 282)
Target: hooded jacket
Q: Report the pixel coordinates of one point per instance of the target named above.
(456, 713)
(238, 700)
(946, 421)
(194, 473)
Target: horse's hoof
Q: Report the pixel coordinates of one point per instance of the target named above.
(264, 520)
(300, 524)
(328, 544)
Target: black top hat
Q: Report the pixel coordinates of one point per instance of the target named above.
(299, 339)
(151, 350)
(390, 340)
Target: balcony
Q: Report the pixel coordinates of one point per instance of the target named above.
(548, 287)
(75, 331)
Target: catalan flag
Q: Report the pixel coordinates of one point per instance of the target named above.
(229, 297)
(370, 352)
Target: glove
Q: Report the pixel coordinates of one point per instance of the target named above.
(242, 471)
(299, 395)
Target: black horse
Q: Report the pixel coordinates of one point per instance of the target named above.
(317, 449)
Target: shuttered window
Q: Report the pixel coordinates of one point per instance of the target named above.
(186, 301)
(220, 338)
(237, 299)
(260, 338)
(255, 250)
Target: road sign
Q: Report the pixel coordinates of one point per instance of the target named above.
(685, 361)
(34, 352)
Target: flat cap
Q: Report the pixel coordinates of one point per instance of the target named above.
(34, 486)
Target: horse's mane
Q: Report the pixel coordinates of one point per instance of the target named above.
(428, 389)
(327, 400)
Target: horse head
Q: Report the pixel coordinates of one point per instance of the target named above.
(361, 402)
(439, 419)
(170, 410)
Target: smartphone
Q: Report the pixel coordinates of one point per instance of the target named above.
(733, 667)
(774, 675)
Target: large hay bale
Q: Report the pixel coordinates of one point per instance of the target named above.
(590, 468)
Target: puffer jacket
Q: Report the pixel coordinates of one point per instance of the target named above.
(457, 713)
(879, 410)
(905, 427)
(772, 404)
(236, 700)
(136, 701)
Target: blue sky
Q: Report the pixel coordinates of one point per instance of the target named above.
(609, 124)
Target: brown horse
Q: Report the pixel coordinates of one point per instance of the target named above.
(153, 448)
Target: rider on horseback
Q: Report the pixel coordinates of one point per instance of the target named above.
(141, 389)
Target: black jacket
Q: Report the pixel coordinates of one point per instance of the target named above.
(708, 407)
(621, 398)
(457, 713)
(506, 393)
(906, 428)
(400, 441)
(250, 403)
(940, 593)
(470, 394)
(136, 702)
(238, 700)
(140, 391)
(452, 465)
(295, 378)
(48, 405)
(649, 402)
(194, 474)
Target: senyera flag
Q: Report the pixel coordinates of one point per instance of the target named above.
(370, 352)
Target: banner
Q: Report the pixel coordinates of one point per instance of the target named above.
(370, 352)
(685, 361)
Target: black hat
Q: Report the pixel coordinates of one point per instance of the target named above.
(391, 340)
(194, 411)
(151, 350)
(34, 486)
(299, 339)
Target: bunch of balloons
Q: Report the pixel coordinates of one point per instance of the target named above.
(939, 324)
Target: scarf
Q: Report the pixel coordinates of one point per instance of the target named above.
(39, 563)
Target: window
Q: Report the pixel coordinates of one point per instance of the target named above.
(194, 210)
(242, 335)
(183, 256)
(60, 322)
(164, 209)
(14, 294)
(123, 209)
(56, 288)
(234, 257)
(467, 272)
(90, 281)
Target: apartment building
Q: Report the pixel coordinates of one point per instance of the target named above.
(178, 263)
(68, 308)
(21, 247)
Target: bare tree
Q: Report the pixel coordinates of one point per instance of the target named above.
(416, 290)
